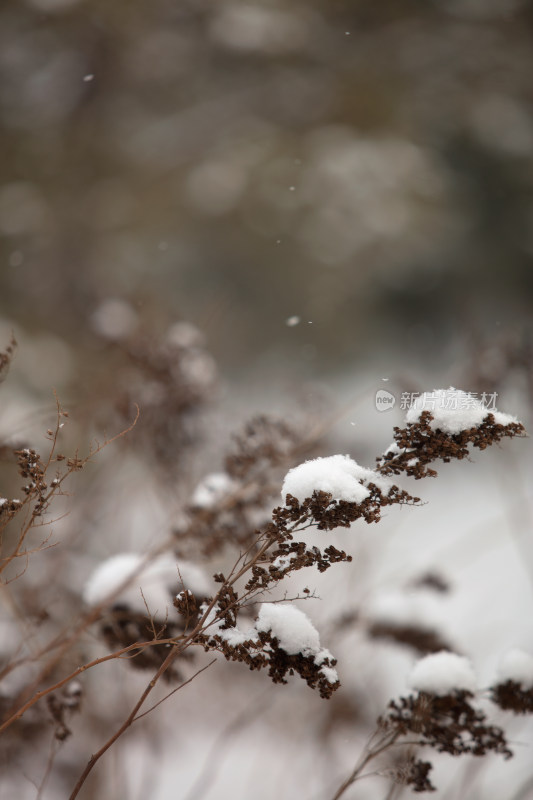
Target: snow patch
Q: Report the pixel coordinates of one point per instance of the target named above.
(442, 673)
(153, 585)
(292, 628)
(454, 411)
(212, 489)
(339, 475)
(517, 666)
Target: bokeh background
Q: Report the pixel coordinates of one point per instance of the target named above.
(338, 194)
(364, 166)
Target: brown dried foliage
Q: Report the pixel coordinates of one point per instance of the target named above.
(431, 580)
(266, 653)
(423, 640)
(264, 442)
(414, 773)
(232, 521)
(6, 357)
(419, 441)
(449, 724)
(173, 379)
(61, 705)
(510, 696)
(121, 627)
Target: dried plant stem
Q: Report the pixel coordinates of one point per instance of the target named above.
(367, 756)
(132, 717)
(218, 749)
(75, 464)
(166, 697)
(54, 746)
(524, 790)
(39, 695)
(394, 791)
(63, 642)
(18, 710)
(175, 651)
(127, 722)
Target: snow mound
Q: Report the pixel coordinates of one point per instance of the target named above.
(295, 634)
(213, 488)
(292, 628)
(294, 631)
(442, 673)
(339, 475)
(454, 411)
(153, 585)
(517, 666)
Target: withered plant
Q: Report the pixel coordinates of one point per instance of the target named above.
(157, 612)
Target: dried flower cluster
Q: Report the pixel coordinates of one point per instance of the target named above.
(6, 357)
(511, 696)
(418, 445)
(226, 507)
(449, 724)
(418, 637)
(172, 378)
(260, 649)
(414, 773)
(264, 442)
(62, 705)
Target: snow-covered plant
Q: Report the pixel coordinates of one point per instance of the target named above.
(160, 608)
(514, 688)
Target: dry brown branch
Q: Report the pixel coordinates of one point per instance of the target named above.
(78, 671)
(130, 719)
(38, 493)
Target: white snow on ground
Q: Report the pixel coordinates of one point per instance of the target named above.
(442, 673)
(454, 410)
(517, 665)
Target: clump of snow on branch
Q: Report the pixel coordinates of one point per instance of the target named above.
(123, 579)
(295, 633)
(517, 666)
(443, 673)
(233, 636)
(339, 475)
(454, 411)
(291, 627)
(212, 489)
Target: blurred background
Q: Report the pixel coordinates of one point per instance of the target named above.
(366, 167)
(281, 205)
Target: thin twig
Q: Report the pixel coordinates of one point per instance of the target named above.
(368, 755)
(217, 750)
(175, 690)
(54, 748)
(39, 695)
(130, 719)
